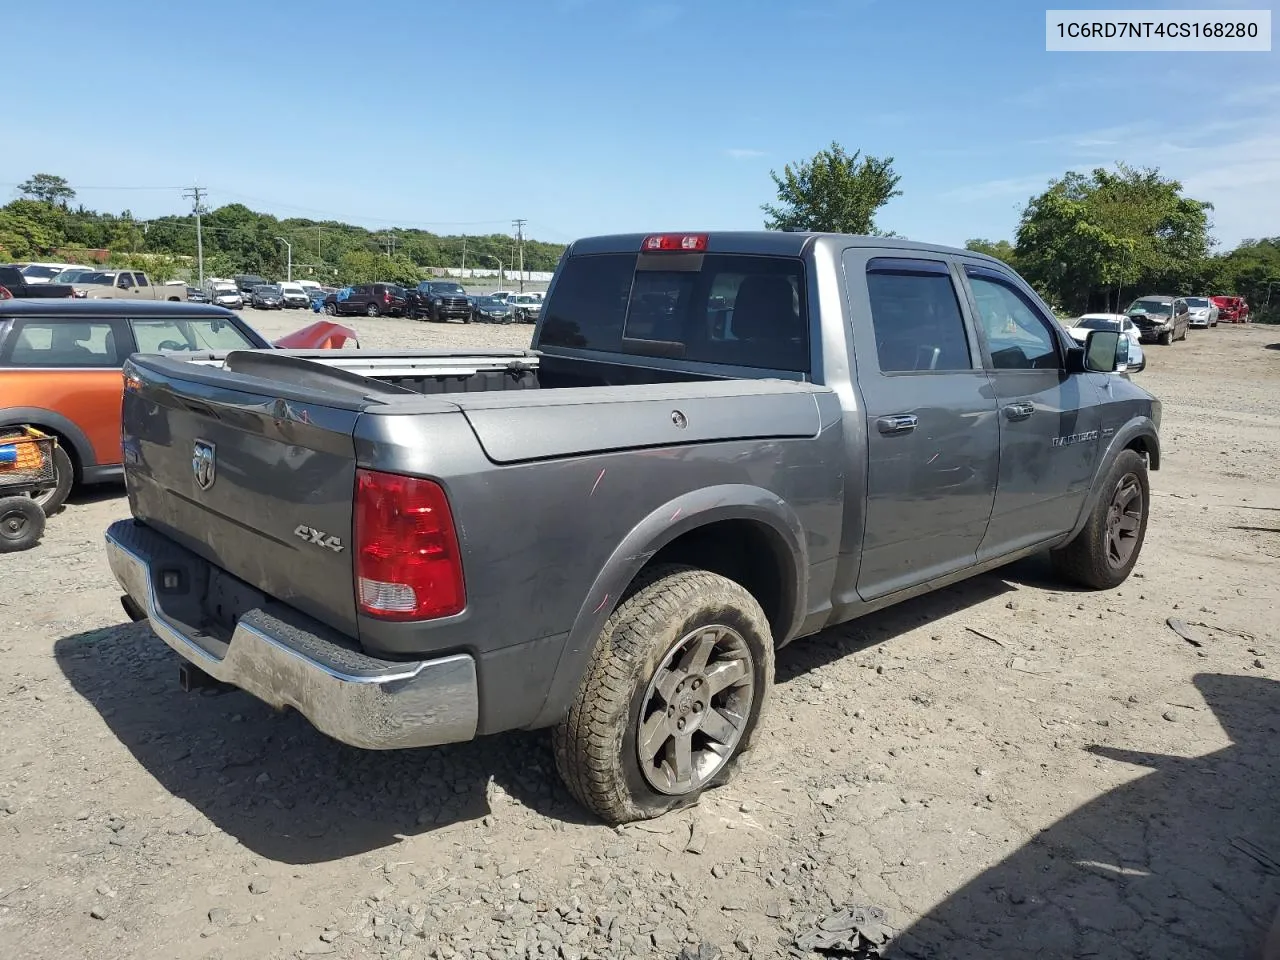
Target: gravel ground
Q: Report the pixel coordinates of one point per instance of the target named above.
(1007, 768)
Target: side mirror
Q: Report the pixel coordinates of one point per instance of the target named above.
(1102, 351)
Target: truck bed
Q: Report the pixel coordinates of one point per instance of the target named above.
(290, 429)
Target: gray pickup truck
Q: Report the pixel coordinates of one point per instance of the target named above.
(719, 443)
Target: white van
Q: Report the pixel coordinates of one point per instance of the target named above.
(293, 294)
(308, 285)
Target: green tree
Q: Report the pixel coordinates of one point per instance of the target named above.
(833, 192)
(47, 188)
(1252, 271)
(1000, 249)
(1087, 239)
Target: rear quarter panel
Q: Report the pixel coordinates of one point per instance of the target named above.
(89, 398)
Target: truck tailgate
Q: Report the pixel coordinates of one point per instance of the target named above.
(254, 476)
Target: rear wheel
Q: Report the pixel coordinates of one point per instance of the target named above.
(671, 698)
(331, 309)
(372, 310)
(51, 501)
(21, 524)
(1103, 554)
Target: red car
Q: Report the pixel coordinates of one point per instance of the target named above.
(1231, 309)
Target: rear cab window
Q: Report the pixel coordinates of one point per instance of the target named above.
(732, 309)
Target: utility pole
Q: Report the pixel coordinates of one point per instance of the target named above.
(463, 273)
(519, 225)
(289, 247)
(195, 194)
(318, 257)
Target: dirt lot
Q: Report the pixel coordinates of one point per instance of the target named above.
(1008, 768)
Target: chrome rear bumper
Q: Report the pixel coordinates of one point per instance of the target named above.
(360, 700)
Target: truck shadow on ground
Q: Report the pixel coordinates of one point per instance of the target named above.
(273, 782)
(291, 794)
(1180, 862)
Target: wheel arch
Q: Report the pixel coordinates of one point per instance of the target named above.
(710, 528)
(70, 437)
(1139, 434)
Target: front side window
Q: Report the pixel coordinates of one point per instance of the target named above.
(124, 281)
(916, 317)
(163, 336)
(1017, 336)
(53, 343)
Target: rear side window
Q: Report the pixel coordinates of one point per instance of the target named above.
(714, 308)
(916, 317)
(42, 343)
(141, 279)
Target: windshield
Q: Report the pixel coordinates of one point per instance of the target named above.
(71, 276)
(1095, 323)
(1197, 302)
(43, 273)
(267, 290)
(227, 294)
(1150, 306)
(523, 298)
(448, 289)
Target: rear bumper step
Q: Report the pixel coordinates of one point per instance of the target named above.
(360, 700)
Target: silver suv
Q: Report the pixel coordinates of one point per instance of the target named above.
(1163, 319)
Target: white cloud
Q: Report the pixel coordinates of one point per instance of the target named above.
(743, 153)
(998, 189)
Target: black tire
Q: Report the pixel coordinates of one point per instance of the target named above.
(1166, 338)
(372, 310)
(331, 309)
(51, 501)
(596, 745)
(21, 524)
(1089, 559)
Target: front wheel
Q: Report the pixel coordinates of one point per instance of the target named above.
(1103, 554)
(671, 698)
(1166, 338)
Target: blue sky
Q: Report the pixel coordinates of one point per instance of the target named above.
(591, 116)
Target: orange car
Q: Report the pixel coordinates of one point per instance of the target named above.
(60, 369)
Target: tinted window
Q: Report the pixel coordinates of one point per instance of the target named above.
(715, 308)
(1161, 307)
(141, 279)
(917, 321)
(1017, 336)
(39, 272)
(43, 343)
(214, 333)
(124, 281)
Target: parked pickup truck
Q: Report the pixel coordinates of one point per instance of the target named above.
(15, 285)
(719, 443)
(126, 285)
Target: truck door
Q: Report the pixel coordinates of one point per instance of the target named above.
(1049, 419)
(931, 421)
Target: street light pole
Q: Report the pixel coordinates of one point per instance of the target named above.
(289, 248)
(1267, 304)
(492, 257)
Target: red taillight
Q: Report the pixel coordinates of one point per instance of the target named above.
(386, 298)
(408, 566)
(5, 294)
(683, 242)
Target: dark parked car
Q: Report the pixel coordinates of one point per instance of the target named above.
(1163, 319)
(440, 300)
(491, 310)
(14, 284)
(266, 296)
(196, 296)
(370, 299)
(245, 282)
(437, 553)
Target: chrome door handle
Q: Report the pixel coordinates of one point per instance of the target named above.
(1019, 411)
(898, 423)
